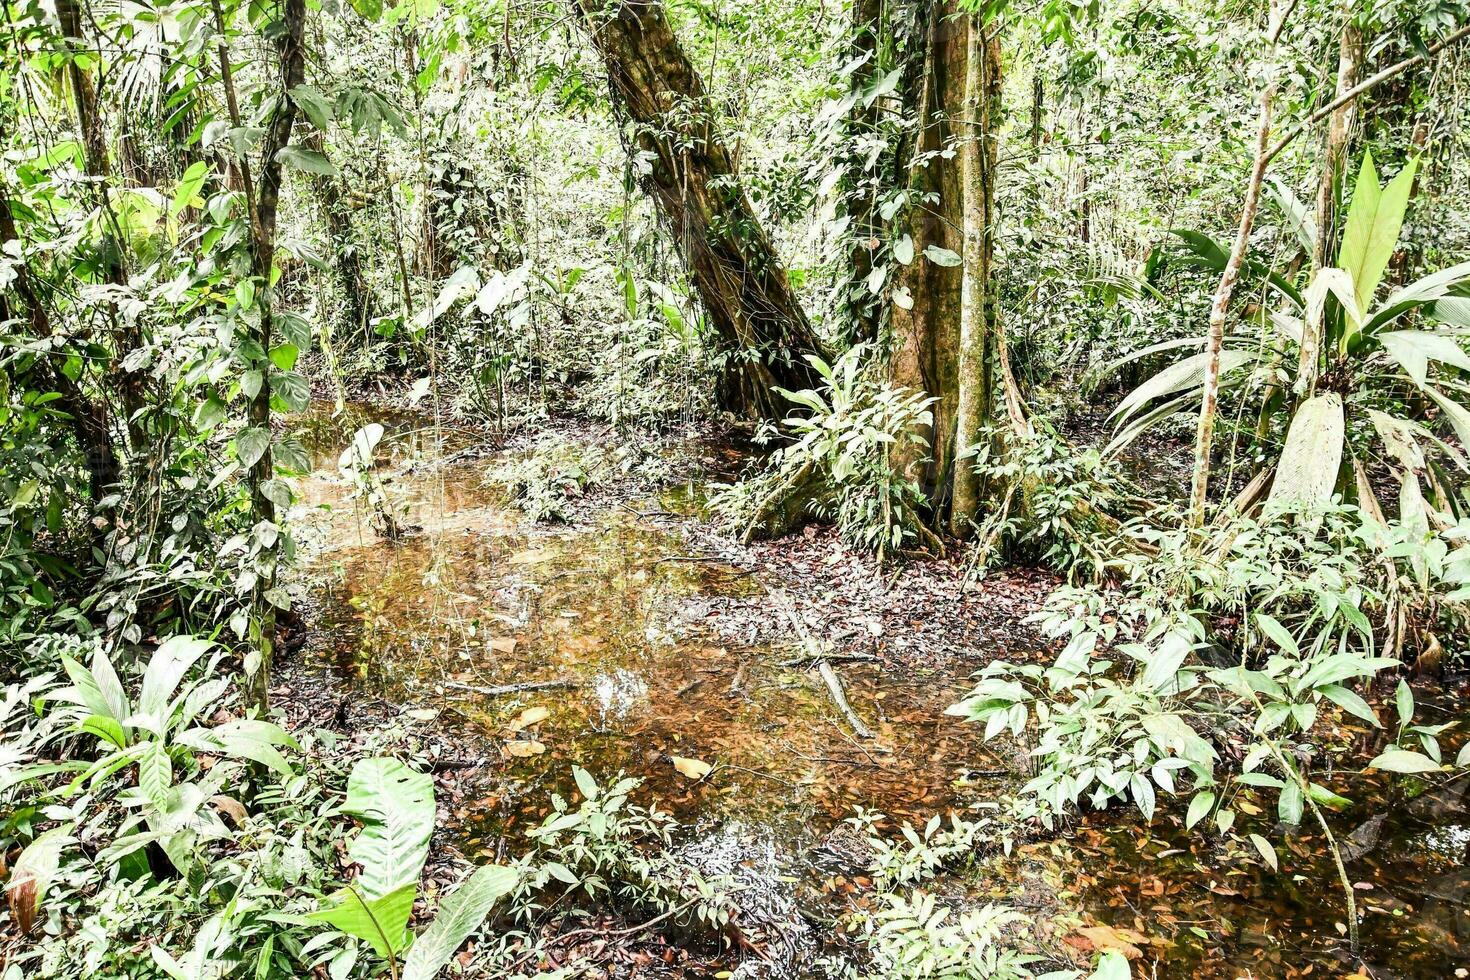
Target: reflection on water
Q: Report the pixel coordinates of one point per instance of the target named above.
(625, 617)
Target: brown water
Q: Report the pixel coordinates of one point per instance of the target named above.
(644, 631)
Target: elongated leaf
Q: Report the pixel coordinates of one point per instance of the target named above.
(1180, 376)
(396, 807)
(1457, 414)
(1372, 229)
(1414, 349)
(1312, 456)
(1402, 760)
(310, 161)
(1299, 217)
(170, 662)
(459, 915)
(1434, 288)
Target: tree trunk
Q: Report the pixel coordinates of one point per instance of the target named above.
(263, 196)
(346, 261)
(1335, 141)
(126, 334)
(692, 180)
(926, 301)
(866, 229)
(1329, 184)
(977, 162)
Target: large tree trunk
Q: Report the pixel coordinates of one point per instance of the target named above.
(927, 300)
(693, 182)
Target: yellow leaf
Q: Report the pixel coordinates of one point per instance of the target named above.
(691, 768)
(524, 750)
(529, 717)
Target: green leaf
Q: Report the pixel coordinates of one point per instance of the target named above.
(1112, 965)
(459, 915)
(1199, 807)
(1414, 349)
(1403, 699)
(380, 922)
(1289, 805)
(1404, 761)
(1350, 702)
(170, 662)
(313, 105)
(33, 873)
(1267, 851)
(251, 444)
(1372, 228)
(1312, 456)
(941, 256)
(189, 186)
(1277, 633)
(396, 807)
(1180, 376)
(903, 250)
(292, 390)
(298, 157)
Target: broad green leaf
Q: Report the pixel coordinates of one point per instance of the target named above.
(380, 922)
(251, 444)
(459, 915)
(313, 105)
(189, 186)
(1350, 702)
(1112, 965)
(1199, 808)
(396, 807)
(170, 662)
(1414, 349)
(1404, 761)
(298, 157)
(1312, 456)
(1277, 633)
(941, 256)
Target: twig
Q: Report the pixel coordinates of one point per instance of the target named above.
(834, 687)
(504, 689)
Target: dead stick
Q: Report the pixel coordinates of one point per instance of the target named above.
(497, 692)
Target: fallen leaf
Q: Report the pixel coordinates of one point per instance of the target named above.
(524, 749)
(691, 768)
(230, 807)
(502, 644)
(532, 557)
(529, 717)
(423, 714)
(1105, 937)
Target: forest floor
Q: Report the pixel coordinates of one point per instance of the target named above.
(636, 636)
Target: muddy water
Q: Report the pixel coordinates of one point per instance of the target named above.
(641, 635)
(635, 629)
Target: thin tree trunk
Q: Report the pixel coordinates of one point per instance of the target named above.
(345, 258)
(1329, 183)
(866, 228)
(263, 196)
(692, 180)
(1219, 309)
(127, 337)
(977, 155)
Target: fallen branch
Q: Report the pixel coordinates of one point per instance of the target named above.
(504, 689)
(834, 686)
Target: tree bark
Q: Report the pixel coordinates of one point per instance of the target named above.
(927, 300)
(1329, 184)
(977, 162)
(1219, 308)
(692, 180)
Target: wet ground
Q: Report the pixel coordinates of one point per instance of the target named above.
(633, 640)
